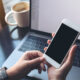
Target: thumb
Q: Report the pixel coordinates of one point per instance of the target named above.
(37, 61)
(69, 61)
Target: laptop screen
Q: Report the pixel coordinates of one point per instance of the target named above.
(46, 15)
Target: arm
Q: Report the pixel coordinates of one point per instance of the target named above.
(29, 60)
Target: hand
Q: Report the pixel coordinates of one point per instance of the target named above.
(30, 60)
(61, 73)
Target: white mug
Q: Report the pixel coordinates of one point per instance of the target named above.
(20, 13)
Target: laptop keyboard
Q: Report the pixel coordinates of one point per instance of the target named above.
(34, 43)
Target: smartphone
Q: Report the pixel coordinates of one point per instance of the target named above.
(60, 45)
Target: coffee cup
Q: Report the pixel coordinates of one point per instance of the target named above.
(20, 12)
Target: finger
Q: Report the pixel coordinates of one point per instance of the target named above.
(37, 53)
(34, 54)
(40, 54)
(39, 69)
(72, 54)
(68, 63)
(45, 48)
(42, 65)
(53, 34)
(48, 41)
(36, 61)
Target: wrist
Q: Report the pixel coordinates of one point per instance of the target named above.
(11, 74)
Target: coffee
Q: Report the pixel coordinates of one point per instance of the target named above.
(21, 7)
(20, 12)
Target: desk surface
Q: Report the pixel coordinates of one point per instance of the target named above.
(9, 41)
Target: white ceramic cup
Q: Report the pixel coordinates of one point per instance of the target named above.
(20, 13)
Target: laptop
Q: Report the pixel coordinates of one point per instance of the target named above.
(38, 36)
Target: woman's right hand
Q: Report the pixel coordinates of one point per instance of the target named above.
(61, 73)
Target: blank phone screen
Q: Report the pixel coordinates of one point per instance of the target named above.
(61, 43)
